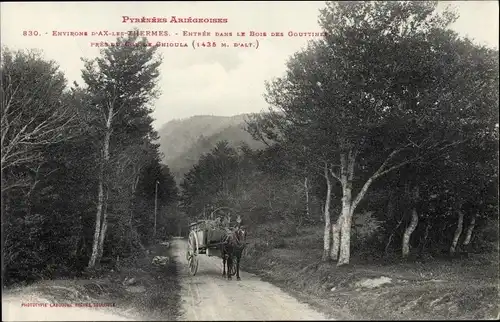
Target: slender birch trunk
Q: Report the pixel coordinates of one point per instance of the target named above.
(97, 231)
(346, 177)
(409, 230)
(102, 235)
(334, 252)
(470, 229)
(458, 232)
(326, 236)
(100, 197)
(413, 223)
(104, 227)
(345, 239)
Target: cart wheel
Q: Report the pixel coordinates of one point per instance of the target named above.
(192, 253)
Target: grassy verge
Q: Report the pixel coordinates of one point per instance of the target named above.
(436, 289)
(156, 291)
(153, 294)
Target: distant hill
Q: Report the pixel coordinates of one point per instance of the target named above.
(182, 142)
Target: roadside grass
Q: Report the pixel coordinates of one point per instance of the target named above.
(430, 289)
(154, 293)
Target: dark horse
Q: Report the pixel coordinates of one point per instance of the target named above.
(233, 245)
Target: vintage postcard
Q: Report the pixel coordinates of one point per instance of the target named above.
(254, 160)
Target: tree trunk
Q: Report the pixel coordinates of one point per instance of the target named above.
(409, 230)
(97, 231)
(470, 229)
(415, 198)
(326, 236)
(346, 177)
(100, 197)
(104, 227)
(102, 236)
(458, 232)
(345, 239)
(334, 252)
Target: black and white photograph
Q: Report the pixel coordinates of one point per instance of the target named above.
(250, 161)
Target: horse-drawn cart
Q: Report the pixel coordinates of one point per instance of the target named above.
(205, 237)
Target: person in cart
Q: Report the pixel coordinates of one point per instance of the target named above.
(218, 229)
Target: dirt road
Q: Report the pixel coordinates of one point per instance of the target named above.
(208, 296)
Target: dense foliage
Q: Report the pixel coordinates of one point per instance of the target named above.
(383, 134)
(388, 122)
(53, 163)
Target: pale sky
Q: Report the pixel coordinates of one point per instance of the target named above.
(217, 81)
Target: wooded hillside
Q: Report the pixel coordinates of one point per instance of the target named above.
(182, 142)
